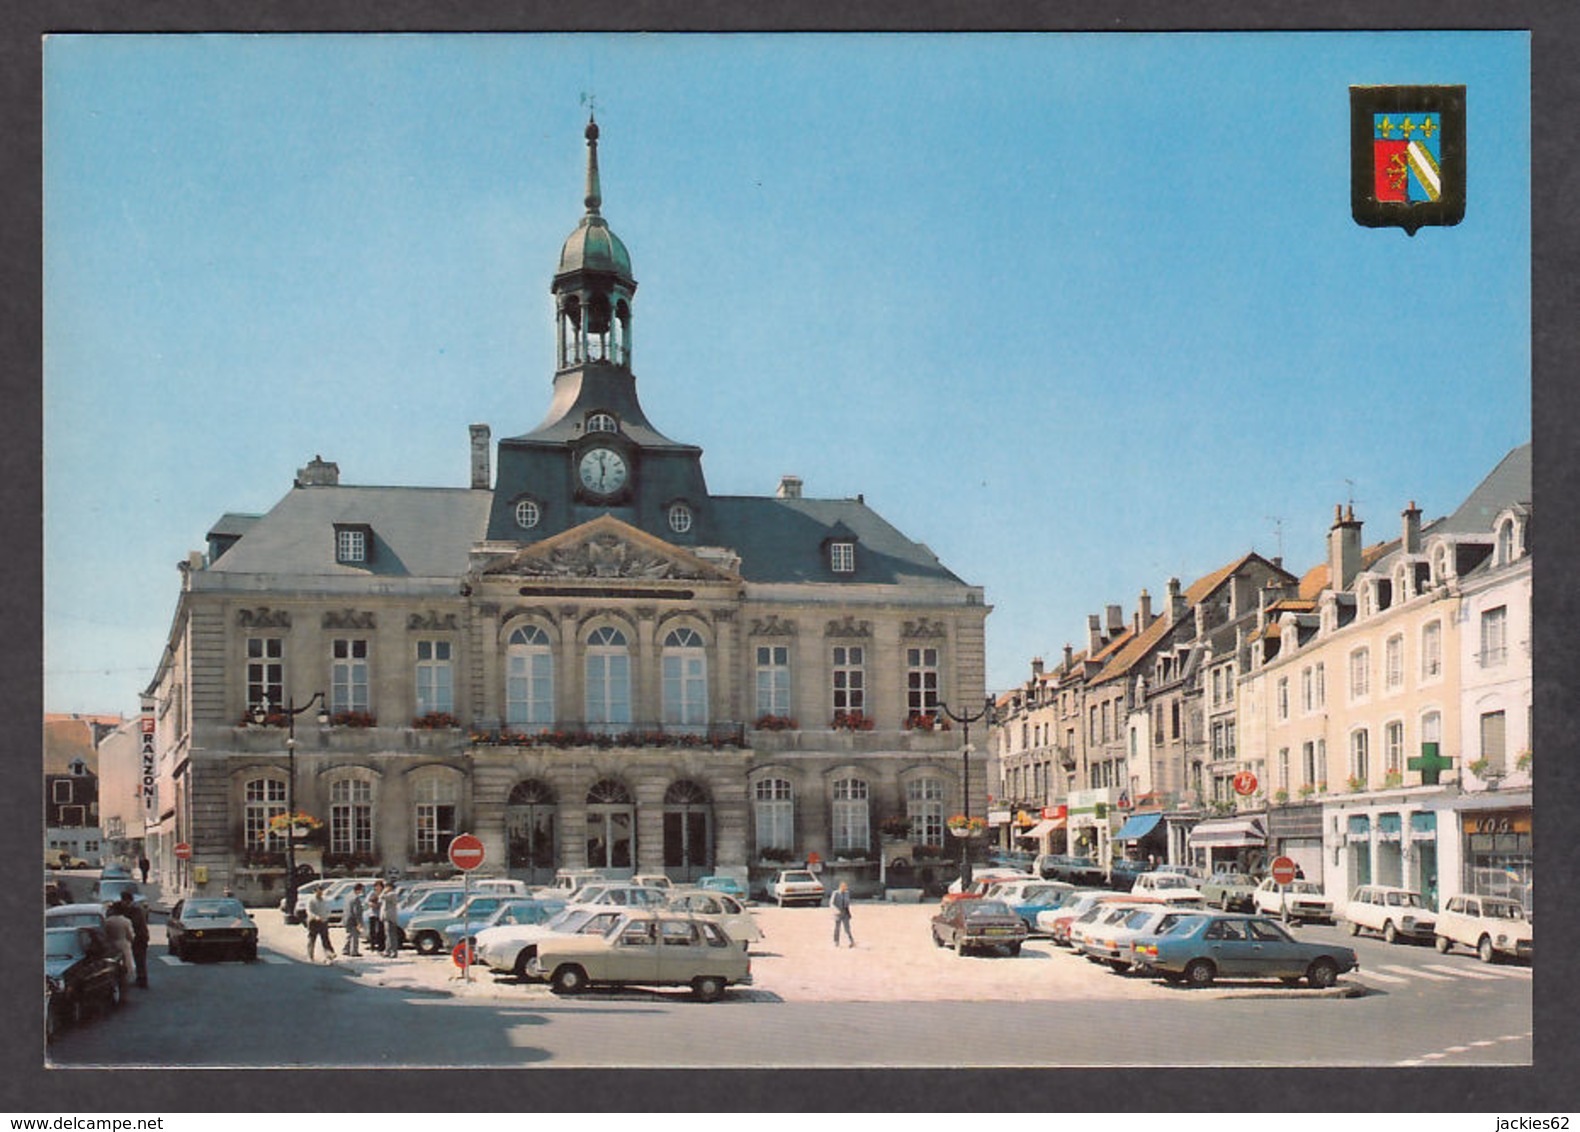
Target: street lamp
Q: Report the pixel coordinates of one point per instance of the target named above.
(965, 778)
(260, 712)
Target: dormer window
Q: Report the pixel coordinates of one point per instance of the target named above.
(679, 518)
(842, 557)
(602, 422)
(353, 544)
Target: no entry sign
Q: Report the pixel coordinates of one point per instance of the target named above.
(1283, 871)
(466, 852)
(183, 851)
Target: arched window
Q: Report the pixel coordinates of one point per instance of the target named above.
(685, 666)
(852, 829)
(611, 821)
(774, 807)
(924, 805)
(687, 830)
(1506, 543)
(530, 814)
(265, 799)
(529, 678)
(433, 801)
(351, 816)
(608, 694)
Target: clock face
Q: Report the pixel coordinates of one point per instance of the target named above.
(602, 471)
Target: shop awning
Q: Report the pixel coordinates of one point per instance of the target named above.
(1137, 826)
(1043, 828)
(1229, 834)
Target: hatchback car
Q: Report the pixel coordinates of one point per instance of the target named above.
(524, 911)
(75, 916)
(511, 948)
(1303, 898)
(1110, 944)
(1202, 948)
(1390, 912)
(729, 913)
(795, 886)
(1491, 925)
(727, 885)
(645, 949)
(81, 971)
(978, 925)
(207, 924)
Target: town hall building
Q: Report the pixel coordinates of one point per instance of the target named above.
(584, 657)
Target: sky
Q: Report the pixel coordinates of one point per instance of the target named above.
(1081, 312)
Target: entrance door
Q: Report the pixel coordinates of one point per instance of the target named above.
(1424, 878)
(611, 825)
(530, 815)
(688, 829)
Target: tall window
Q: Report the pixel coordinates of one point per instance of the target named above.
(1283, 698)
(1492, 739)
(924, 806)
(850, 678)
(774, 805)
(529, 677)
(265, 672)
(348, 675)
(921, 681)
(1283, 768)
(1393, 747)
(265, 799)
(434, 799)
(608, 693)
(435, 677)
(1432, 728)
(685, 667)
(1431, 650)
(1321, 672)
(852, 832)
(1308, 763)
(1360, 673)
(1505, 544)
(1360, 755)
(1494, 628)
(351, 816)
(1393, 662)
(773, 680)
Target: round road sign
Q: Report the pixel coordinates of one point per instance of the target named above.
(1284, 871)
(1245, 783)
(466, 852)
(462, 955)
(183, 851)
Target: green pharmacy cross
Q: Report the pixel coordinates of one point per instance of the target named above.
(1430, 764)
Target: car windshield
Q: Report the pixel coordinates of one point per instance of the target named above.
(799, 878)
(212, 910)
(1312, 888)
(1169, 880)
(63, 943)
(1404, 900)
(1501, 910)
(989, 908)
(83, 919)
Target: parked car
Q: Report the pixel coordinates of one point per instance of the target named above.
(1304, 898)
(1157, 883)
(653, 880)
(1194, 874)
(567, 881)
(108, 891)
(1111, 944)
(510, 948)
(1055, 924)
(620, 895)
(1026, 898)
(516, 910)
(1202, 948)
(201, 924)
(1490, 925)
(75, 916)
(1122, 874)
(425, 930)
(645, 948)
(303, 891)
(1391, 912)
(981, 878)
(1097, 920)
(726, 911)
(795, 886)
(975, 925)
(727, 885)
(1229, 890)
(115, 871)
(81, 971)
(1071, 870)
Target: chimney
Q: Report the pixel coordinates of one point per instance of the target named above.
(789, 487)
(318, 473)
(1412, 529)
(1176, 601)
(1344, 548)
(1036, 667)
(1116, 620)
(1144, 611)
(1094, 635)
(1069, 656)
(480, 470)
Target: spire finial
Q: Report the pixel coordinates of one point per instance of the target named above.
(594, 190)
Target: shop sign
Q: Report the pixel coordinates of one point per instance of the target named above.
(1055, 813)
(148, 783)
(1499, 821)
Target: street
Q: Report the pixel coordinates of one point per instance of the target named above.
(895, 1000)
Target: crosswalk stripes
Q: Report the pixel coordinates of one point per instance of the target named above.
(1419, 973)
(1464, 973)
(1368, 973)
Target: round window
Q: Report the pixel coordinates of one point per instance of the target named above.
(680, 518)
(527, 514)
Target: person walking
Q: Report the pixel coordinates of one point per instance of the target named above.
(389, 912)
(142, 867)
(376, 917)
(840, 902)
(139, 922)
(318, 926)
(119, 930)
(353, 921)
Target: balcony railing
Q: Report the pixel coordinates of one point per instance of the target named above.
(633, 734)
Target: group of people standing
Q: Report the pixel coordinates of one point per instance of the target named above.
(372, 913)
(126, 925)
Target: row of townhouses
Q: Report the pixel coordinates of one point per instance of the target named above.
(1369, 719)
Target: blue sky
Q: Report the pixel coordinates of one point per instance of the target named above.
(1081, 312)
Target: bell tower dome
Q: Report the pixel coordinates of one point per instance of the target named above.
(593, 286)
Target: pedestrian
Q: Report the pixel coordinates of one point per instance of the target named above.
(142, 867)
(119, 931)
(375, 917)
(840, 902)
(139, 920)
(318, 926)
(353, 921)
(389, 912)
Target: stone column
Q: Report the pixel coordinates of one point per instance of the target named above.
(568, 673)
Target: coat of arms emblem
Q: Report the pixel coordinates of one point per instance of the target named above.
(1407, 155)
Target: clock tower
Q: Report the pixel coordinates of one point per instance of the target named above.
(595, 452)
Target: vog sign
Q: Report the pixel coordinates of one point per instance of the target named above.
(148, 783)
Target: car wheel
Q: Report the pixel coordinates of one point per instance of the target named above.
(526, 957)
(709, 988)
(937, 941)
(1444, 944)
(427, 943)
(1200, 973)
(1323, 973)
(1390, 933)
(1014, 950)
(1355, 929)
(1119, 965)
(569, 979)
(1484, 950)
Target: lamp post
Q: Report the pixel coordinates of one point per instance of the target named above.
(260, 712)
(965, 722)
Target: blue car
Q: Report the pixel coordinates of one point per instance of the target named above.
(1201, 948)
(1028, 897)
(727, 885)
(520, 910)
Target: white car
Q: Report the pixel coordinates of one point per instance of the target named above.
(623, 895)
(726, 911)
(992, 873)
(1174, 886)
(1304, 898)
(1490, 925)
(795, 886)
(1110, 943)
(511, 948)
(1391, 912)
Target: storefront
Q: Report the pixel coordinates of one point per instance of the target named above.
(1239, 842)
(1047, 833)
(1296, 832)
(1143, 837)
(1393, 843)
(1090, 825)
(1497, 853)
